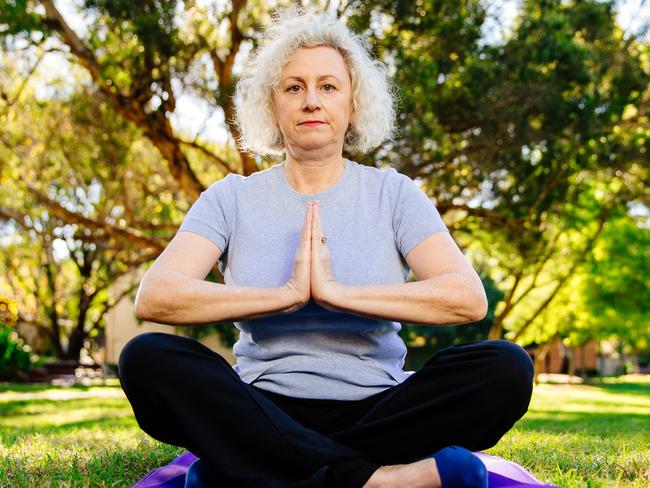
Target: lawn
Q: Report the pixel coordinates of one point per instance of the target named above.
(573, 435)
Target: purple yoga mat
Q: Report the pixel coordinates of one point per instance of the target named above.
(501, 473)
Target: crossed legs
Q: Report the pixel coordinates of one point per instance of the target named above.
(185, 394)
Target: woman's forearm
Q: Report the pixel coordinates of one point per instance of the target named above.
(449, 298)
(173, 298)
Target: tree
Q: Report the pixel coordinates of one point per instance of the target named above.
(78, 162)
(64, 300)
(507, 136)
(135, 53)
(616, 287)
(604, 297)
(504, 136)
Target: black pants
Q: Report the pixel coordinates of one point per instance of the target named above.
(185, 394)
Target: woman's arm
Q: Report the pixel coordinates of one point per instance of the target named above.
(173, 291)
(448, 290)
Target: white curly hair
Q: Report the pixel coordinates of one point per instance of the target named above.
(373, 96)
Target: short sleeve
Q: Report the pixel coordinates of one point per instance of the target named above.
(415, 217)
(211, 213)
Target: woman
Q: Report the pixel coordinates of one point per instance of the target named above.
(315, 252)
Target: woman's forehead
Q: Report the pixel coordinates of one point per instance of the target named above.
(315, 62)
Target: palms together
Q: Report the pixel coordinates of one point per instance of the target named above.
(312, 274)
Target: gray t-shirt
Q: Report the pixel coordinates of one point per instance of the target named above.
(372, 219)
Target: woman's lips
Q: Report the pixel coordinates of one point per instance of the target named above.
(312, 124)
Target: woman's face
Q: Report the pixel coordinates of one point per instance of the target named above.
(314, 85)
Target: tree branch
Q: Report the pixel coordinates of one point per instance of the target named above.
(210, 154)
(10, 101)
(224, 76)
(154, 125)
(132, 235)
(487, 214)
(588, 246)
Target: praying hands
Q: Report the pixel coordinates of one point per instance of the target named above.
(311, 276)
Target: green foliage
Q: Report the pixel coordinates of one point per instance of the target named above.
(139, 44)
(617, 267)
(507, 136)
(17, 17)
(112, 176)
(605, 297)
(15, 356)
(616, 288)
(151, 21)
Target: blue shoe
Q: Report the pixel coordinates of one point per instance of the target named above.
(198, 475)
(459, 468)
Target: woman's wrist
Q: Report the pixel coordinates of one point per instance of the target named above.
(290, 299)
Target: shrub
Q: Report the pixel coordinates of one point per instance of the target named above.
(16, 358)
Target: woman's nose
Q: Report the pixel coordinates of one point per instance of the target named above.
(311, 100)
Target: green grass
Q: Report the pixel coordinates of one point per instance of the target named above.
(595, 435)
(75, 442)
(585, 435)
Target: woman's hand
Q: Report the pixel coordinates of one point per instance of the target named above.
(299, 283)
(323, 284)
(311, 275)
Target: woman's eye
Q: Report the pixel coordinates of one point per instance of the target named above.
(295, 88)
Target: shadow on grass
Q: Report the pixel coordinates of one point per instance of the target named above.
(641, 389)
(37, 387)
(107, 424)
(42, 406)
(585, 423)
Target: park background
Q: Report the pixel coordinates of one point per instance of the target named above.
(526, 122)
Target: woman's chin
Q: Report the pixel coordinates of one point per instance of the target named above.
(314, 146)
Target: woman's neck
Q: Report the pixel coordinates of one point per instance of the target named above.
(311, 176)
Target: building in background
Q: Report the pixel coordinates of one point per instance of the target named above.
(593, 358)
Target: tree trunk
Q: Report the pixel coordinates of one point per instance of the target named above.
(572, 362)
(540, 357)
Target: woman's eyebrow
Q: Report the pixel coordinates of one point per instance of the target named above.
(302, 79)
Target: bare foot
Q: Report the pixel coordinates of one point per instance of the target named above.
(420, 474)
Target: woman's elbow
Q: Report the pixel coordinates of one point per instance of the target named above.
(479, 308)
(147, 299)
(476, 303)
(141, 306)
